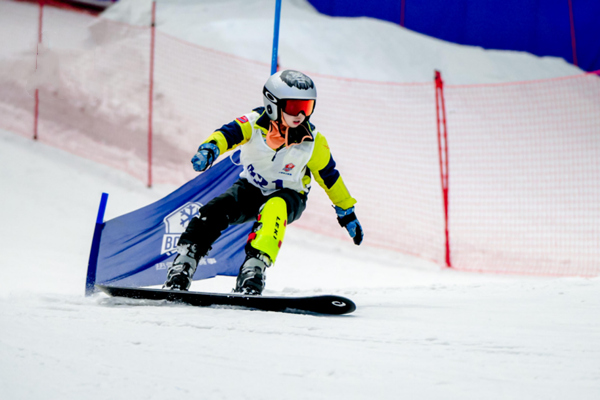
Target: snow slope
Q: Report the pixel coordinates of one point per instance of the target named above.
(419, 331)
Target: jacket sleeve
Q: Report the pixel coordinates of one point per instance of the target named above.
(322, 166)
(233, 134)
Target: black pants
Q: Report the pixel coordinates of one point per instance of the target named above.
(238, 204)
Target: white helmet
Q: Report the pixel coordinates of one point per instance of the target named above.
(288, 85)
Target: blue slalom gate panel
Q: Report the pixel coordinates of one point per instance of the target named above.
(135, 249)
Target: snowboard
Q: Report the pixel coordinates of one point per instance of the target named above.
(321, 304)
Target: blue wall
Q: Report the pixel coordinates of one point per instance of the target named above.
(541, 27)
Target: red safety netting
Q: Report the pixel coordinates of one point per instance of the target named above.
(383, 138)
(17, 66)
(523, 170)
(525, 176)
(197, 90)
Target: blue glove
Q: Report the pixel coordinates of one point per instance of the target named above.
(348, 220)
(205, 157)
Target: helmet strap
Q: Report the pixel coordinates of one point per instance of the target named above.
(282, 128)
(279, 120)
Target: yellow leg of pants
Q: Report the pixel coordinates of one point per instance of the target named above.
(271, 223)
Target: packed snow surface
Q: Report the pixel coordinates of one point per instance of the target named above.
(420, 331)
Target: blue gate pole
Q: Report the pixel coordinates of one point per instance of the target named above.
(276, 36)
(93, 262)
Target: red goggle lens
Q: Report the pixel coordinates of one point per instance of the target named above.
(295, 107)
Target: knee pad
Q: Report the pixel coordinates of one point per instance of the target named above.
(269, 229)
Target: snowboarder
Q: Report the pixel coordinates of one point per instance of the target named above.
(280, 149)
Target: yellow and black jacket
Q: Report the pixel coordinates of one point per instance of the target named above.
(289, 166)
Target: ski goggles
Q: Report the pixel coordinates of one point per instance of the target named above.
(294, 107)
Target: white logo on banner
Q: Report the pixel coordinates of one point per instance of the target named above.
(175, 224)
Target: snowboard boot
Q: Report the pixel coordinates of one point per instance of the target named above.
(183, 268)
(263, 246)
(251, 279)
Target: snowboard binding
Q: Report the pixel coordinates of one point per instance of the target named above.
(251, 278)
(183, 268)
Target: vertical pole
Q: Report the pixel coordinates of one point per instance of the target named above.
(402, 12)
(151, 92)
(36, 111)
(573, 41)
(276, 36)
(443, 156)
(93, 262)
